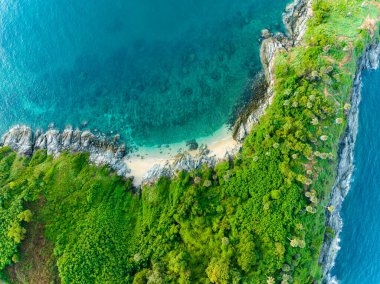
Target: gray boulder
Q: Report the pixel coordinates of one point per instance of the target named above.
(20, 139)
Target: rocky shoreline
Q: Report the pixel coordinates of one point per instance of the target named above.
(295, 18)
(330, 248)
(103, 151)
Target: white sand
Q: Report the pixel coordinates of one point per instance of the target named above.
(219, 143)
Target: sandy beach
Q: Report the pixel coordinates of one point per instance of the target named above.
(140, 162)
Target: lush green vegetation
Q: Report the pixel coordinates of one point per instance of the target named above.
(256, 219)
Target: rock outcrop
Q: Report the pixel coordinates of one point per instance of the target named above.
(20, 139)
(25, 142)
(370, 60)
(295, 18)
(185, 162)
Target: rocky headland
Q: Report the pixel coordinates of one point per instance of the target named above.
(295, 18)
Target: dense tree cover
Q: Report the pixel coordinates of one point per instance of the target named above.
(256, 219)
(83, 208)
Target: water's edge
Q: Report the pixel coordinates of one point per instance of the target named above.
(105, 151)
(330, 248)
(295, 19)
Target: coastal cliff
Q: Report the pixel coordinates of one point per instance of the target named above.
(369, 60)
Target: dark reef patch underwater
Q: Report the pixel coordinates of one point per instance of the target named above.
(154, 71)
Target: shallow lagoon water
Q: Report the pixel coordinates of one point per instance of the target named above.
(156, 72)
(358, 261)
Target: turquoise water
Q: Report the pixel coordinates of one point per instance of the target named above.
(154, 71)
(358, 261)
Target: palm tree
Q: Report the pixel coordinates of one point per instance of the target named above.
(294, 242)
(270, 280)
(301, 243)
(324, 137)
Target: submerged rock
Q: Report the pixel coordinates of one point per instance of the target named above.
(265, 33)
(192, 144)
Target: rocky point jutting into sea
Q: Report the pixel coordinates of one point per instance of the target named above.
(295, 18)
(369, 60)
(108, 151)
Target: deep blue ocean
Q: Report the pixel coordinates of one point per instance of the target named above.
(154, 71)
(358, 261)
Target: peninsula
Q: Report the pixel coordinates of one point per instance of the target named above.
(263, 211)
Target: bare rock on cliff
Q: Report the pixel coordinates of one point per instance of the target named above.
(373, 56)
(20, 139)
(183, 162)
(67, 137)
(101, 151)
(268, 50)
(53, 139)
(156, 172)
(265, 33)
(295, 18)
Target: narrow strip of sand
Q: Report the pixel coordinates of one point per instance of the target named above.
(140, 162)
